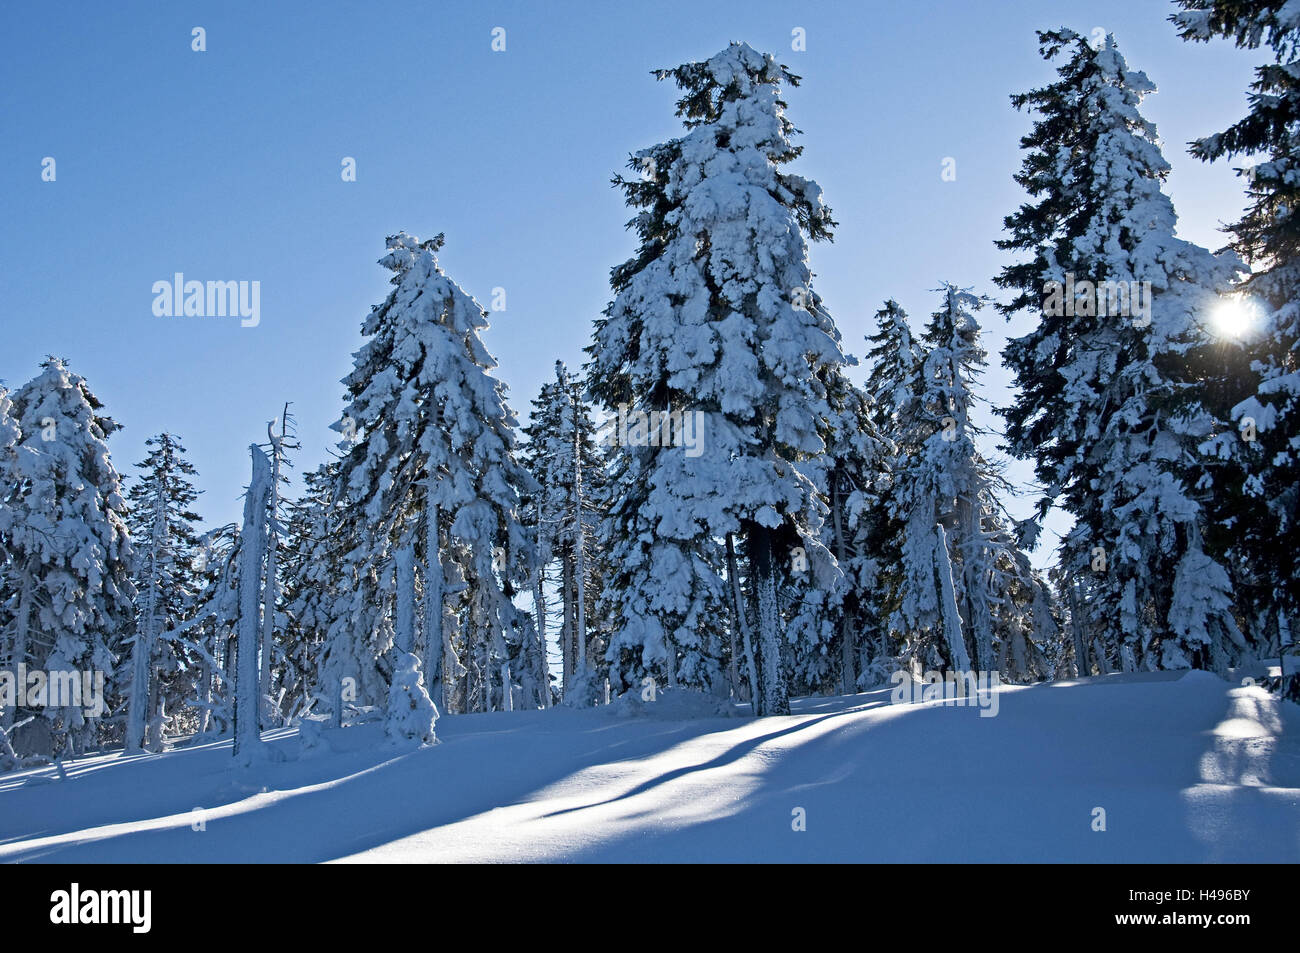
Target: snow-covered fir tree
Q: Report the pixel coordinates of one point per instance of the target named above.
(893, 389)
(315, 540)
(715, 314)
(1107, 407)
(10, 436)
(432, 467)
(209, 632)
(955, 524)
(895, 360)
(664, 597)
(563, 455)
(854, 480)
(163, 524)
(1259, 508)
(67, 574)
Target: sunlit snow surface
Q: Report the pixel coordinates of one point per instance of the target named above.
(1186, 768)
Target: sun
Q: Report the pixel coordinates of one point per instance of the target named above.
(1235, 316)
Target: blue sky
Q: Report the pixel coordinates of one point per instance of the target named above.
(225, 165)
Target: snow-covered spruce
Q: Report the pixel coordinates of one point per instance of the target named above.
(432, 466)
(716, 313)
(10, 436)
(892, 392)
(315, 539)
(164, 675)
(563, 456)
(948, 482)
(67, 554)
(1259, 381)
(839, 642)
(209, 632)
(1109, 406)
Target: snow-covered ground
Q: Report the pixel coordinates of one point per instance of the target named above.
(1186, 767)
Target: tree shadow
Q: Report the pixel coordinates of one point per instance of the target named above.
(1244, 806)
(732, 754)
(319, 809)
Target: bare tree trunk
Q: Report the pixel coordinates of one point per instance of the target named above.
(271, 594)
(566, 584)
(733, 670)
(153, 734)
(1283, 640)
(435, 647)
(978, 618)
(467, 637)
(481, 634)
(579, 542)
(140, 707)
(847, 647)
(539, 607)
(738, 609)
(21, 638)
(404, 579)
(229, 661)
(1081, 668)
(205, 696)
(247, 738)
(951, 618)
(773, 693)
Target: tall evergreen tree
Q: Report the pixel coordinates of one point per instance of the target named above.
(10, 437)
(69, 551)
(854, 482)
(315, 541)
(896, 361)
(716, 313)
(434, 459)
(1107, 405)
(209, 633)
(950, 484)
(1261, 509)
(563, 456)
(893, 388)
(162, 524)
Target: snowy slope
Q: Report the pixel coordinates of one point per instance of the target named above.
(1186, 766)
